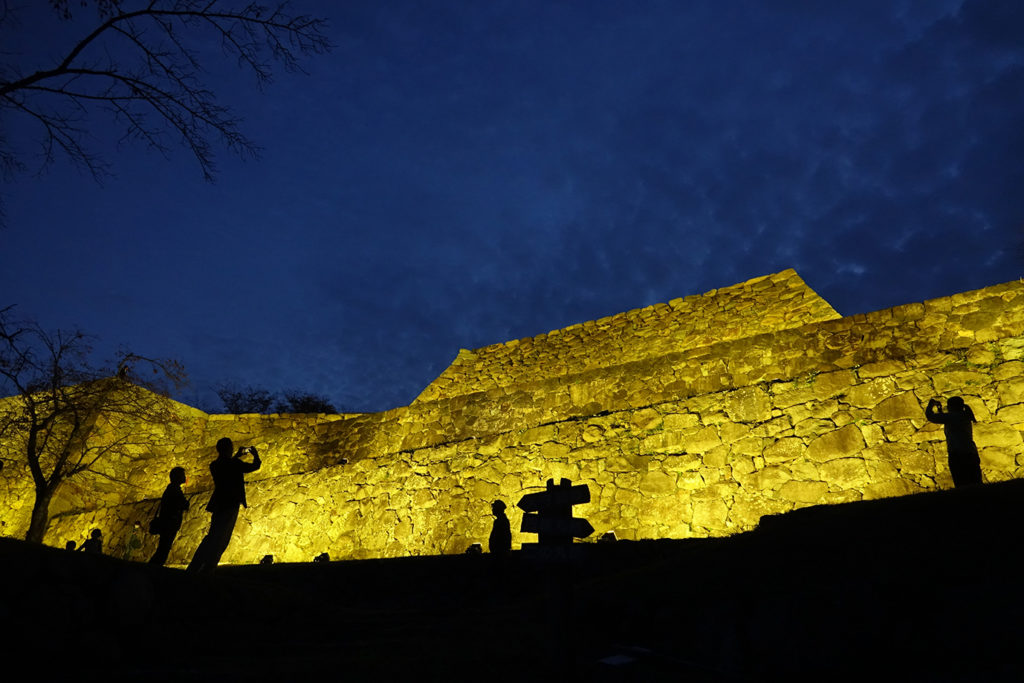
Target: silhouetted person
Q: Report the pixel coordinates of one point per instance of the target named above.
(93, 544)
(957, 421)
(228, 495)
(70, 545)
(500, 541)
(172, 507)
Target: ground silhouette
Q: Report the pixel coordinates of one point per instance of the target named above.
(921, 587)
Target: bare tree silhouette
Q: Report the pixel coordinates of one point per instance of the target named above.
(250, 399)
(49, 423)
(299, 401)
(140, 64)
(245, 399)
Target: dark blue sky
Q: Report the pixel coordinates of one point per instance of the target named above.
(453, 175)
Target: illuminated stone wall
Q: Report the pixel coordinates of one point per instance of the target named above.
(698, 440)
(764, 304)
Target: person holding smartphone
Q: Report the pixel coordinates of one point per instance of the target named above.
(957, 422)
(228, 496)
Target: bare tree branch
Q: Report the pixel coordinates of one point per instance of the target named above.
(139, 65)
(50, 423)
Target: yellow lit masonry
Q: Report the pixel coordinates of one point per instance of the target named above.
(687, 419)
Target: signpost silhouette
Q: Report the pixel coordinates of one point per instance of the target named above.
(549, 513)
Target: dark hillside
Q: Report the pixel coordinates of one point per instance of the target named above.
(925, 587)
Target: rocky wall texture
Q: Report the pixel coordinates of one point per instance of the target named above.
(699, 442)
(765, 304)
(703, 466)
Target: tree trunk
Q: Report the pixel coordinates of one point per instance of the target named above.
(40, 516)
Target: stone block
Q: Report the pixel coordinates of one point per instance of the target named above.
(741, 465)
(748, 509)
(890, 488)
(750, 404)
(1011, 349)
(978, 320)
(871, 432)
(627, 480)
(717, 457)
(710, 513)
(771, 478)
(813, 409)
(730, 432)
(814, 387)
(619, 464)
(552, 450)
(647, 419)
(830, 384)
(898, 430)
(916, 461)
(812, 427)
(658, 483)
(981, 355)
(926, 433)
(784, 450)
(1009, 370)
(958, 380)
(883, 368)
(423, 499)
(847, 473)
(682, 462)
(538, 434)
(871, 393)
(899, 407)
(510, 486)
(749, 446)
(998, 458)
(690, 481)
(593, 434)
(804, 470)
(776, 427)
(680, 422)
(1011, 391)
(803, 491)
(1011, 414)
(703, 440)
(628, 497)
(841, 443)
(996, 434)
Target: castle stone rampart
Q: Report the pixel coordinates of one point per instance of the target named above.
(765, 304)
(697, 442)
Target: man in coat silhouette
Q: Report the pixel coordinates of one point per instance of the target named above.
(228, 495)
(172, 508)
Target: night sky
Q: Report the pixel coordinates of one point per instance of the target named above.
(456, 174)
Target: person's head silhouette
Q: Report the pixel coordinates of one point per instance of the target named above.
(178, 476)
(498, 508)
(96, 533)
(225, 447)
(955, 404)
